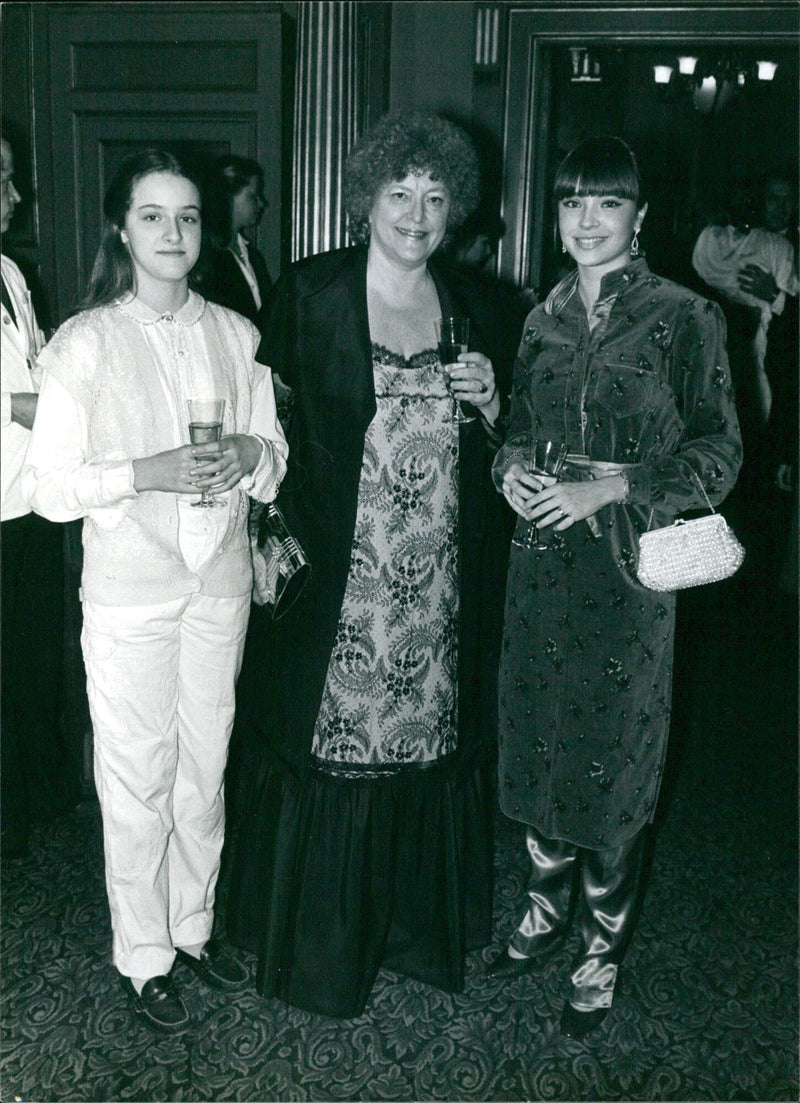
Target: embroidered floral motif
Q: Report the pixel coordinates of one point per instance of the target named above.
(589, 645)
(389, 696)
(660, 333)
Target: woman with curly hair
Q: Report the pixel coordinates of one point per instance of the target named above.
(366, 714)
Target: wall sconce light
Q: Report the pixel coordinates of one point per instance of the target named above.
(709, 82)
(687, 65)
(585, 66)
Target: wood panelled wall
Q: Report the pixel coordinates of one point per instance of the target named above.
(122, 76)
(98, 77)
(84, 83)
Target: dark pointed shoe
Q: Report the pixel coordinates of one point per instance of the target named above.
(158, 1005)
(216, 967)
(504, 965)
(577, 1024)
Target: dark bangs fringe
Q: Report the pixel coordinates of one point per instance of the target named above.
(599, 166)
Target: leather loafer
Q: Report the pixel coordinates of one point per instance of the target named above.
(158, 1005)
(215, 967)
(504, 965)
(577, 1024)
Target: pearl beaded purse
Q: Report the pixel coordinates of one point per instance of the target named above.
(688, 553)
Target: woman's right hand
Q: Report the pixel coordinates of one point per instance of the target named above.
(173, 471)
(520, 487)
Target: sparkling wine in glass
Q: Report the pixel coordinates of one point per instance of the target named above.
(544, 457)
(205, 427)
(452, 335)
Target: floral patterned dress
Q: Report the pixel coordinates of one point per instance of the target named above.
(586, 666)
(390, 694)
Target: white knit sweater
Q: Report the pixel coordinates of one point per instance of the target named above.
(115, 379)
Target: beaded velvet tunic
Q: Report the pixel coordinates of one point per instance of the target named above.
(585, 676)
(390, 692)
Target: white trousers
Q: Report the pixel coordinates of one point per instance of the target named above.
(160, 681)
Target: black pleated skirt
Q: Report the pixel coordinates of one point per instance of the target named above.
(332, 879)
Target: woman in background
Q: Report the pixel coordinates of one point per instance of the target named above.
(165, 586)
(236, 274)
(369, 709)
(630, 371)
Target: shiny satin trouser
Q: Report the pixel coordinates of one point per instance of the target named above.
(609, 885)
(160, 682)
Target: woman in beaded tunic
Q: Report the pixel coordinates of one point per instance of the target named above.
(367, 714)
(631, 371)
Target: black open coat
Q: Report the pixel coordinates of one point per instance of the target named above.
(316, 338)
(225, 283)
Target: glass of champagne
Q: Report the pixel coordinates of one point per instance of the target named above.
(541, 457)
(205, 427)
(452, 335)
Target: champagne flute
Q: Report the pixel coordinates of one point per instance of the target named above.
(544, 457)
(452, 335)
(205, 426)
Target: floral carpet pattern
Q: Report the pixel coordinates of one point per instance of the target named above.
(708, 1008)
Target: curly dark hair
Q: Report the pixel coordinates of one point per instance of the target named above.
(406, 143)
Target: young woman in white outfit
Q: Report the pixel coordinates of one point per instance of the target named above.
(165, 586)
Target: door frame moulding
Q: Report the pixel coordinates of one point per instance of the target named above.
(534, 27)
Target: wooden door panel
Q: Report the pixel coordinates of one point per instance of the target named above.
(209, 78)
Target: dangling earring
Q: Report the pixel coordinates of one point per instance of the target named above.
(563, 247)
(635, 244)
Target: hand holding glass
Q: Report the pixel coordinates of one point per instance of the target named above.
(452, 335)
(541, 457)
(205, 427)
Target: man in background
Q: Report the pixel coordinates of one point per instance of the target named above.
(33, 776)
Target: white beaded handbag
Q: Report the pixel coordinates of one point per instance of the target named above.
(688, 553)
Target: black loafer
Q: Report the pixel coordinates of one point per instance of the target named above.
(215, 967)
(159, 1005)
(504, 965)
(577, 1024)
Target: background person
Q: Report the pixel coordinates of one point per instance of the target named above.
(630, 370)
(33, 757)
(165, 586)
(750, 268)
(237, 275)
(754, 267)
(778, 509)
(369, 710)
(496, 305)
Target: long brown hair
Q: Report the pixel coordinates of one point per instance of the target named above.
(113, 274)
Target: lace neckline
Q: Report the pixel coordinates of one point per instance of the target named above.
(397, 357)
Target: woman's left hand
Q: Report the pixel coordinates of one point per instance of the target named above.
(472, 380)
(562, 504)
(222, 464)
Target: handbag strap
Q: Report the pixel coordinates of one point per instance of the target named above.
(702, 491)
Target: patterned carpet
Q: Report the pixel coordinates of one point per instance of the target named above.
(708, 1010)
